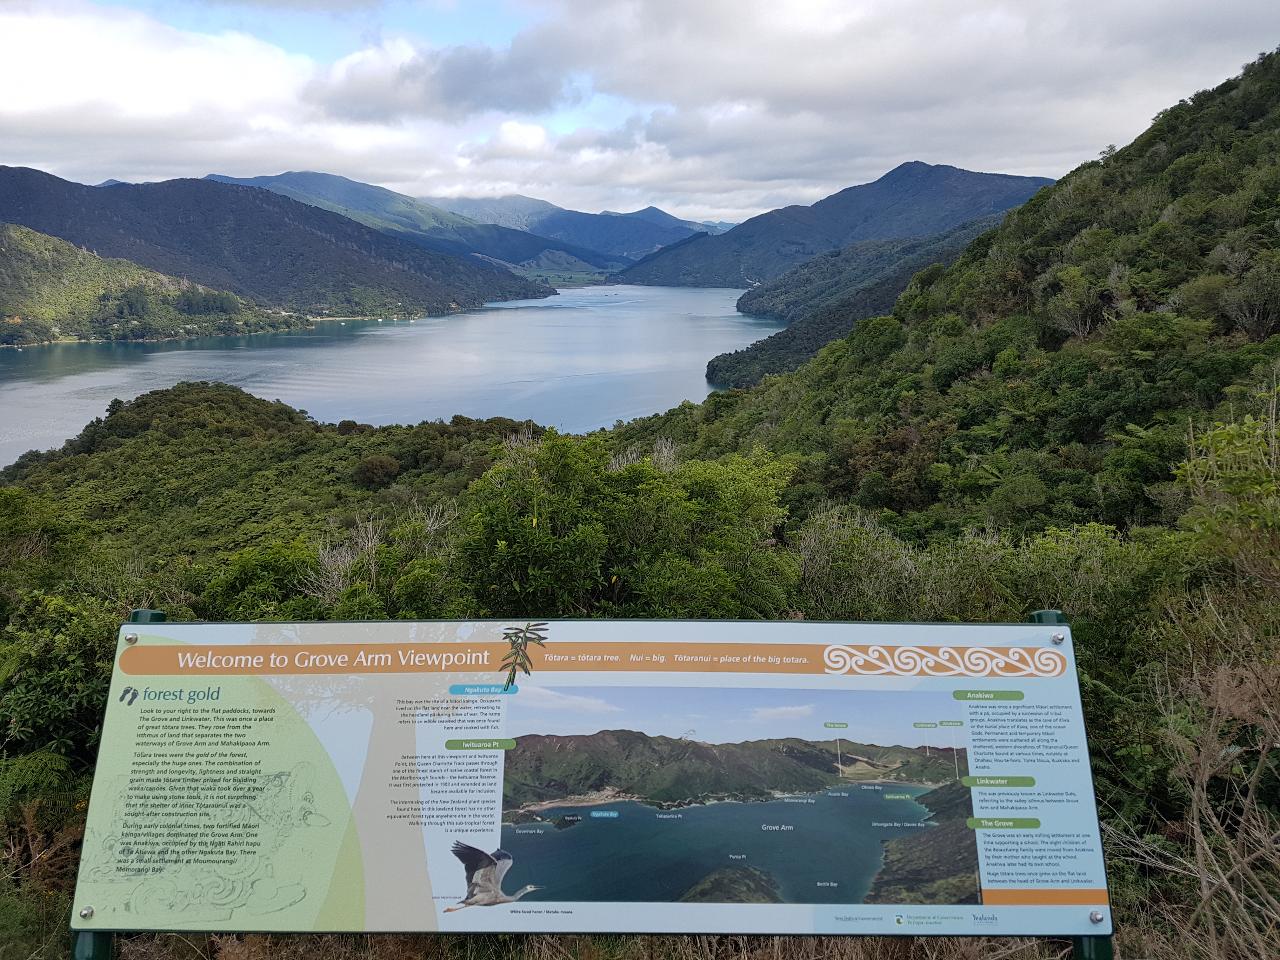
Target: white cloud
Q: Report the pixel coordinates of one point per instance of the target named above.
(782, 713)
(719, 108)
(543, 698)
(395, 80)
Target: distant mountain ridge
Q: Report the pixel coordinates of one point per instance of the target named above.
(513, 210)
(630, 235)
(665, 770)
(652, 214)
(425, 224)
(264, 247)
(913, 200)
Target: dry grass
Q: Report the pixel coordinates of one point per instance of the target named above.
(1224, 724)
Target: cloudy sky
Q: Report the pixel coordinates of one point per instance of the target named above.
(735, 714)
(708, 108)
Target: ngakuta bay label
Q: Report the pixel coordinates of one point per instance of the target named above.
(386, 777)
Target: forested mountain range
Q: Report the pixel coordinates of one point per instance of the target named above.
(823, 298)
(261, 246)
(671, 771)
(630, 235)
(429, 226)
(912, 200)
(1049, 374)
(51, 289)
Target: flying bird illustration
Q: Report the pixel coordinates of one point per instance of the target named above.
(484, 877)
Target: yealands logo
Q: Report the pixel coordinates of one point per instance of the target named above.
(985, 920)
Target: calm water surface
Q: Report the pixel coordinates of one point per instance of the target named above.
(825, 850)
(578, 361)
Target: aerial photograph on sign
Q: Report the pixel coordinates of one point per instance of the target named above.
(807, 813)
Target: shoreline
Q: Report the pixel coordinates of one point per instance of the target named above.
(306, 322)
(604, 797)
(309, 323)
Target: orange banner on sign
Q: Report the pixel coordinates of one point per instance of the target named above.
(1071, 897)
(358, 658)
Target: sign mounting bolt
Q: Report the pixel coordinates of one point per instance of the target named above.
(86, 913)
(133, 638)
(1057, 638)
(1096, 916)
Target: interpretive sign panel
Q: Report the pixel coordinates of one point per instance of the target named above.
(651, 776)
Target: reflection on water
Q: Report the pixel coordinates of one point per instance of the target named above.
(578, 361)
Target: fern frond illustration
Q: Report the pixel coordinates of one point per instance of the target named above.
(516, 660)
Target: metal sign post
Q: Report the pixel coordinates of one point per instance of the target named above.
(1082, 948)
(93, 944)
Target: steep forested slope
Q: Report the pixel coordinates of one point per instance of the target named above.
(1049, 374)
(259, 245)
(824, 297)
(419, 222)
(51, 289)
(912, 200)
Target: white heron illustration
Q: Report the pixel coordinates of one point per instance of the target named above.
(484, 877)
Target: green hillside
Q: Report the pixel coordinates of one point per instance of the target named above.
(262, 247)
(52, 290)
(1048, 376)
(211, 465)
(912, 200)
(734, 885)
(823, 298)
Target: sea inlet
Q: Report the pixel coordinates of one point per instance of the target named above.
(577, 361)
(814, 848)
